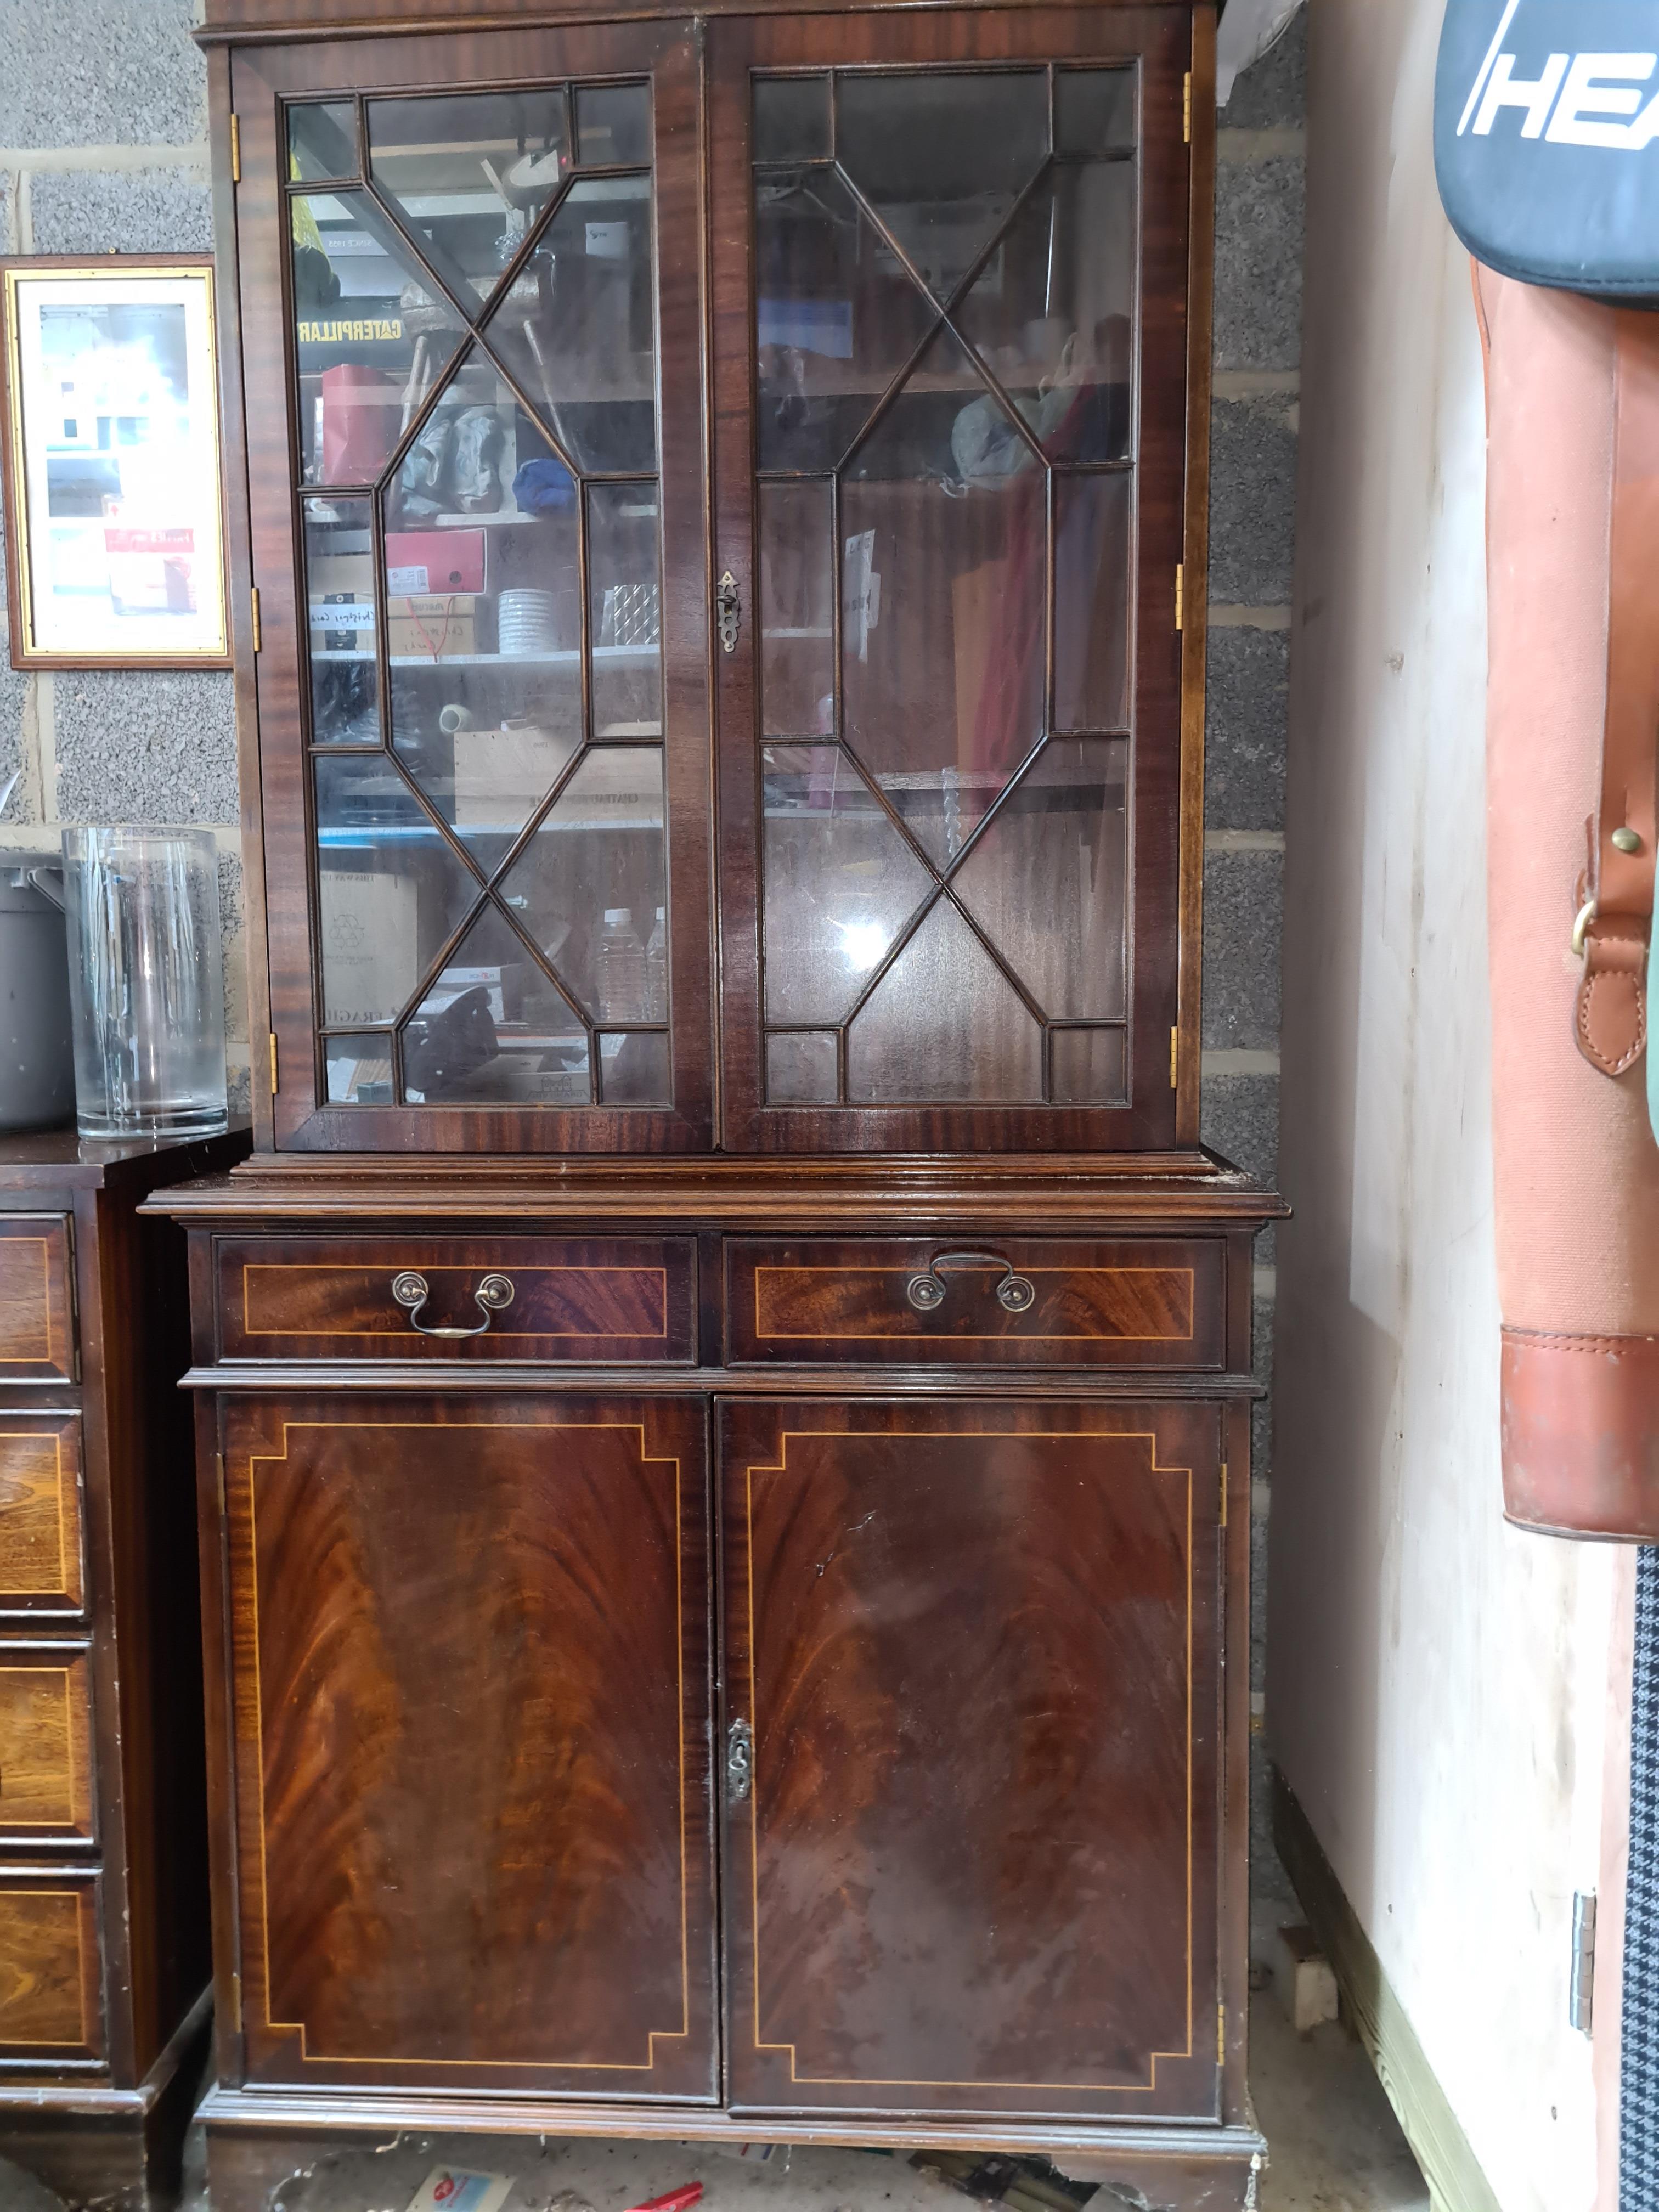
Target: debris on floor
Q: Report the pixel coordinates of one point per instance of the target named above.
(1303, 1979)
(1027, 2185)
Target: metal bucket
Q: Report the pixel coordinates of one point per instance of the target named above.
(37, 1057)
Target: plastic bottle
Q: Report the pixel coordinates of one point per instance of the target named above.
(620, 969)
(656, 971)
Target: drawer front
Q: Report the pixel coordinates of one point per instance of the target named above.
(42, 1544)
(49, 2004)
(37, 1313)
(586, 1301)
(1040, 1302)
(45, 1744)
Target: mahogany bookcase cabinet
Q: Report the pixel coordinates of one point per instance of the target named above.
(724, 1389)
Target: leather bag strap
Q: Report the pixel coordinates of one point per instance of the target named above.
(1615, 895)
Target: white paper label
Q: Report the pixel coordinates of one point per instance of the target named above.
(408, 583)
(608, 241)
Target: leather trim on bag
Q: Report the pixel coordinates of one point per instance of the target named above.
(1581, 1433)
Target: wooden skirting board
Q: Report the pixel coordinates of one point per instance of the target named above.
(1455, 2181)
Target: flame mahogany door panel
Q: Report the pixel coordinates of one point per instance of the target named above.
(977, 1647)
(470, 1641)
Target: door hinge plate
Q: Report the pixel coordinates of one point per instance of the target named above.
(1174, 1060)
(236, 149)
(1181, 597)
(253, 604)
(1221, 2035)
(219, 1480)
(1223, 1493)
(1186, 110)
(1581, 1980)
(273, 1039)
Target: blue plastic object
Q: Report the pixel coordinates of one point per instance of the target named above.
(545, 488)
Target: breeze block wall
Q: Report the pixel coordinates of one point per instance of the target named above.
(1258, 344)
(103, 149)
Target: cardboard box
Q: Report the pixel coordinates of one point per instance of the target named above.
(367, 923)
(421, 561)
(423, 627)
(501, 775)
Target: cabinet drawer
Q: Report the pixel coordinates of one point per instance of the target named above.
(45, 1744)
(36, 1323)
(581, 1300)
(42, 1552)
(50, 2005)
(1043, 1301)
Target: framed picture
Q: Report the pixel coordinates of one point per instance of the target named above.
(115, 530)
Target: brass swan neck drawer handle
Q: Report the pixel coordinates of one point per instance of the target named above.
(1015, 1293)
(493, 1296)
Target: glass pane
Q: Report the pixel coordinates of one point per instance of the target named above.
(840, 883)
(371, 338)
(633, 1070)
(625, 609)
(322, 141)
(590, 884)
(1045, 882)
(1088, 1067)
(944, 600)
(345, 707)
(613, 125)
(942, 156)
(836, 318)
(1095, 111)
(1052, 311)
(483, 611)
(800, 1071)
(943, 1026)
(796, 610)
(491, 1029)
(1091, 602)
(792, 119)
(577, 331)
(392, 889)
(358, 1069)
(470, 175)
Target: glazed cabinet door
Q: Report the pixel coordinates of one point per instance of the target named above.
(470, 1712)
(954, 315)
(469, 282)
(972, 1728)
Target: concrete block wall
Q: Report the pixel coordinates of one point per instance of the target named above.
(1258, 344)
(103, 149)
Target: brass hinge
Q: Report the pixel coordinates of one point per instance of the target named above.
(236, 2002)
(1186, 111)
(1180, 593)
(1223, 1493)
(236, 143)
(273, 1064)
(219, 1477)
(1221, 2035)
(253, 598)
(1174, 1060)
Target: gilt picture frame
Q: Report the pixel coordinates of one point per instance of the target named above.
(110, 460)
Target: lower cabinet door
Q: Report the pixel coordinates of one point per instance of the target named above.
(972, 1828)
(470, 1639)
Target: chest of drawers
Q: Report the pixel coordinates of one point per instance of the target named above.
(104, 1960)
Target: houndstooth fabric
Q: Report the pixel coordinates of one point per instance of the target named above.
(1638, 2085)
